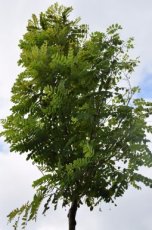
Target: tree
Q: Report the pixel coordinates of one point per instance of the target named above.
(74, 115)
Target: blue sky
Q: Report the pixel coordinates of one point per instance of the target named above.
(16, 175)
(146, 86)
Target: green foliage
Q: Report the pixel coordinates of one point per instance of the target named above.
(74, 117)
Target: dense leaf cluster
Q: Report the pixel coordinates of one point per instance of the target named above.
(74, 116)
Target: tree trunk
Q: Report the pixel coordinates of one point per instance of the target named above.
(72, 215)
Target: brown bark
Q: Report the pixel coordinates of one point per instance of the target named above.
(72, 215)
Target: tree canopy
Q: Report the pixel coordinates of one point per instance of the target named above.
(74, 115)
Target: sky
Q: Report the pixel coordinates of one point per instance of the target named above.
(134, 209)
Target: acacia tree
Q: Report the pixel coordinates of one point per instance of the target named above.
(74, 117)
